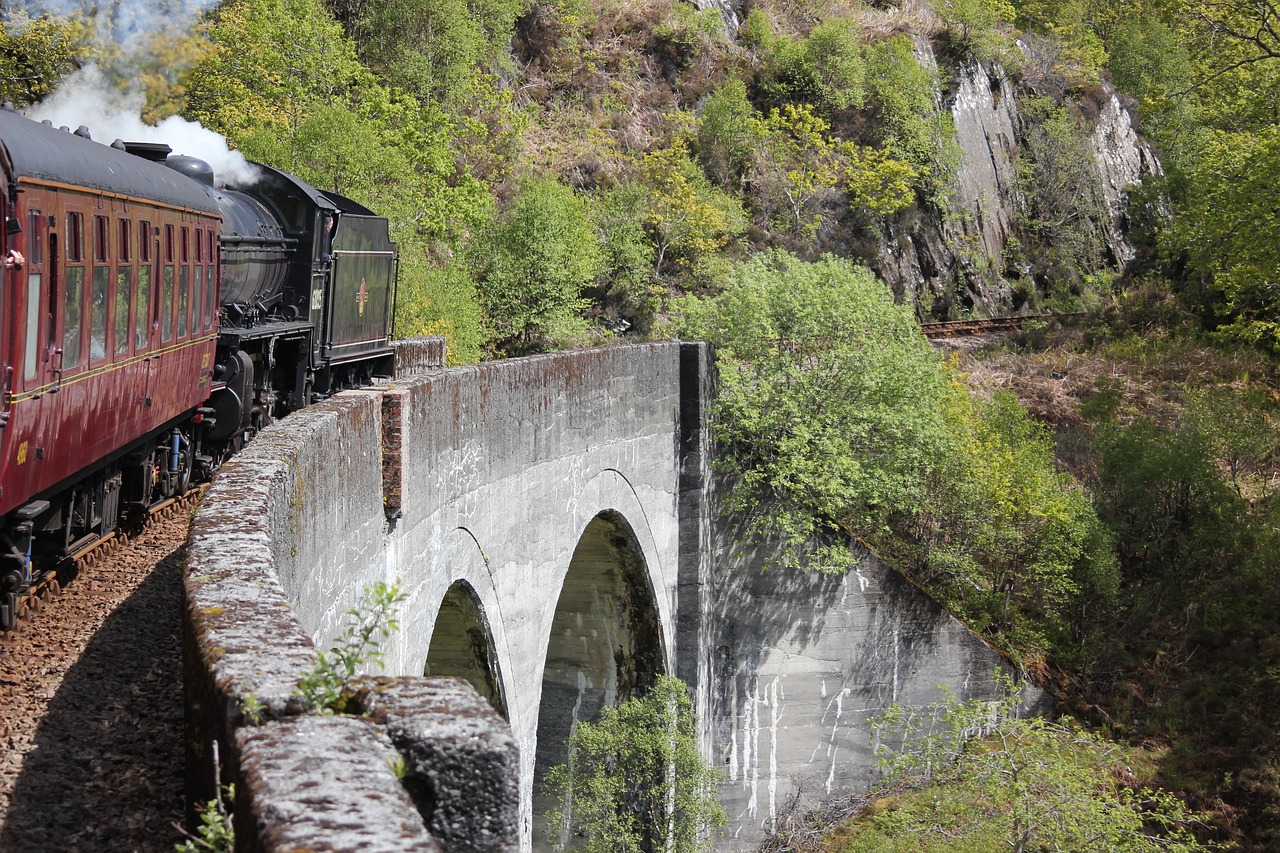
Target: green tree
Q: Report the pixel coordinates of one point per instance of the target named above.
(432, 300)
(825, 69)
(977, 776)
(686, 218)
(635, 782)
(797, 166)
(284, 85)
(628, 271)
(903, 109)
(1160, 490)
(533, 265)
(435, 49)
(1059, 177)
(1007, 541)
(1228, 229)
(1150, 62)
(830, 405)
(39, 52)
(1241, 424)
(727, 134)
(972, 25)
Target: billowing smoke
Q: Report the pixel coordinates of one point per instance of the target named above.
(125, 23)
(85, 98)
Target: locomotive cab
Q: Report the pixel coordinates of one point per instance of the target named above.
(308, 286)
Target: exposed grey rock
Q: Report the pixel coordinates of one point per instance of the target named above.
(942, 260)
(1124, 159)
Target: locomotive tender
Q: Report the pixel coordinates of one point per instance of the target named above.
(157, 323)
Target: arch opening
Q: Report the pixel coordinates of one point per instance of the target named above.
(462, 646)
(605, 646)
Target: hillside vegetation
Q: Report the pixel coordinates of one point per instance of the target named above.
(568, 172)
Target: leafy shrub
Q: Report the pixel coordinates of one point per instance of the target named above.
(635, 780)
(825, 69)
(1011, 543)
(440, 301)
(727, 136)
(1059, 177)
(628, 271)
(978, 776)
(1160, 490)
(903, 107)
(533, 265)
(686, 218)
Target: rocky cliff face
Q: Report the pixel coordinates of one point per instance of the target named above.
(974, 253)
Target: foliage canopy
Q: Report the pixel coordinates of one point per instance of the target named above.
(635, 780)
(978, 776)
(829, 403)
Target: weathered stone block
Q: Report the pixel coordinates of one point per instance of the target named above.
(323, 783)
(463, 762)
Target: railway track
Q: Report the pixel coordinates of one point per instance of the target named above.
(49, 584)
(91, 709)
(970, 328)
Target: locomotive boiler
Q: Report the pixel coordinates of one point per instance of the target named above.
(157, 322)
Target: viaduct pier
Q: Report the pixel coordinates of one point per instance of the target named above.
(553, 523)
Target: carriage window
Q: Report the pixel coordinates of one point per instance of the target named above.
(185, 245)
(208, 298)
(75, 237)
(166, 306)
(72, 316)
(124, 250)
(101, 242)
(199, 247)
(98, 295)
(98, 314)
(197, 282)
(35, 238)
(184, 275)
(124, 289)
(168, 244)
(33, 320)
(144, 242)
(142, 300)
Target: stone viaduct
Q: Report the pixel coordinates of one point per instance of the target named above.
(552, 522)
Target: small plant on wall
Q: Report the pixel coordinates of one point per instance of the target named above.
(369, 623)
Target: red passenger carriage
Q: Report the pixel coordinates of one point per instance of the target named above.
(158, 322)
(101, 334)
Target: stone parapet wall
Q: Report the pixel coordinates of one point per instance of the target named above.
(302, 501)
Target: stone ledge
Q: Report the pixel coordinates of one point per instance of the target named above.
(323, 783)
(419, 355)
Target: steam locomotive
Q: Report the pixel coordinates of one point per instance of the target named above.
(155, 324)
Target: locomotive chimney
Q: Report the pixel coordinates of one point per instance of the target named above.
(154, 151)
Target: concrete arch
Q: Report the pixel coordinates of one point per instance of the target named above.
(605, 645)
(462, 645)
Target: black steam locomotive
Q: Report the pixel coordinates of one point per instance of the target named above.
(151, 323)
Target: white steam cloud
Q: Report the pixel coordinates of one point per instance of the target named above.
(125, 23)
(85, 98)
